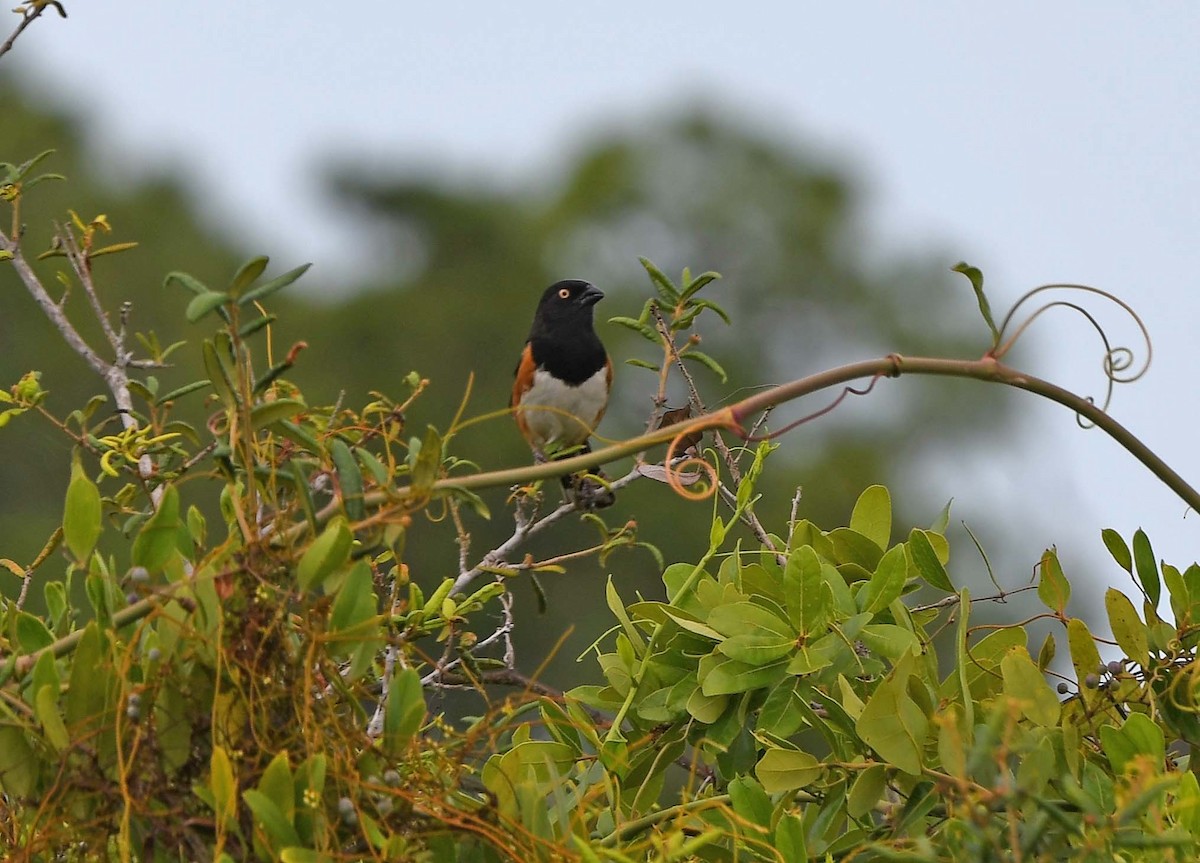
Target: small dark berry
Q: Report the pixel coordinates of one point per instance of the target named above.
(1063, 689)
(1091, 681)
(1116, 667)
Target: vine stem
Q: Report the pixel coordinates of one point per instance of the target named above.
(734, 417)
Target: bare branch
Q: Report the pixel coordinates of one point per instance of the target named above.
(526, 527)
(83, 272)
(52, 309)
(114, 374)
(30, 13)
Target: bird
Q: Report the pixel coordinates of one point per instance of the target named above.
(562, 383)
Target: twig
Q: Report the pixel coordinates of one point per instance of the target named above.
(795, 506)
(52, 309)
(375, 726)
(461, 536)
(32, 13)
(953, 600)
(747, 515)
(438, 677)
(525, 528)
(114, 374)
(83, 272)
(25, 582)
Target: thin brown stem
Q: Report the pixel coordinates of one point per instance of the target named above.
(32, 12)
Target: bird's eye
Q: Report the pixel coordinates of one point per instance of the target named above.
(564, 293)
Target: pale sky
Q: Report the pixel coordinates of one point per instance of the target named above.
(1042, 142)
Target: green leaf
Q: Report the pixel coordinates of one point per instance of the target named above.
(278, 785)
(706, 708)
(689, 623)
(1118, 549)
(790, 840)
(275, 284)
(203, 304)
(1127, 627)
(721, 676)
(173, 717)
(32, 634)
(222, 784)
(617, 607)
(644, 330)
(248, 274)
(783, 711)
(806, 595)
(182, 391)
(666, 290)
(1046, 654)
(975, 275)
(428, 462)
(81, 515)
(218, 375)
(327, 553)
(253, 326)
(1147, 569)
(374, 466)
(350, 479)
(750, 801)
(111, 249)
(893, 725)
(1053, 588)
(887, 582)
(643, 364)
(188, 281)
(872, 516)
(46, 708)
(708, 362)
(303, 855)
(55, 593)
(404, 713)
(156, 541)
(698, 283)
(748, 618)
(867, 791)
(19, 763)
(265, 413)
(275, 824)
(1084, 656)
(786, 770)
(889, 640)
(1024, 683)
(1147, 738)
(355, 603)
(925, 561)
(87, 686)
(757, 649)
(850, 546)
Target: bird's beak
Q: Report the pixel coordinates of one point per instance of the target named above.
(591, 296)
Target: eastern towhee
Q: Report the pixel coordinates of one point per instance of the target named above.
(562, 383)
